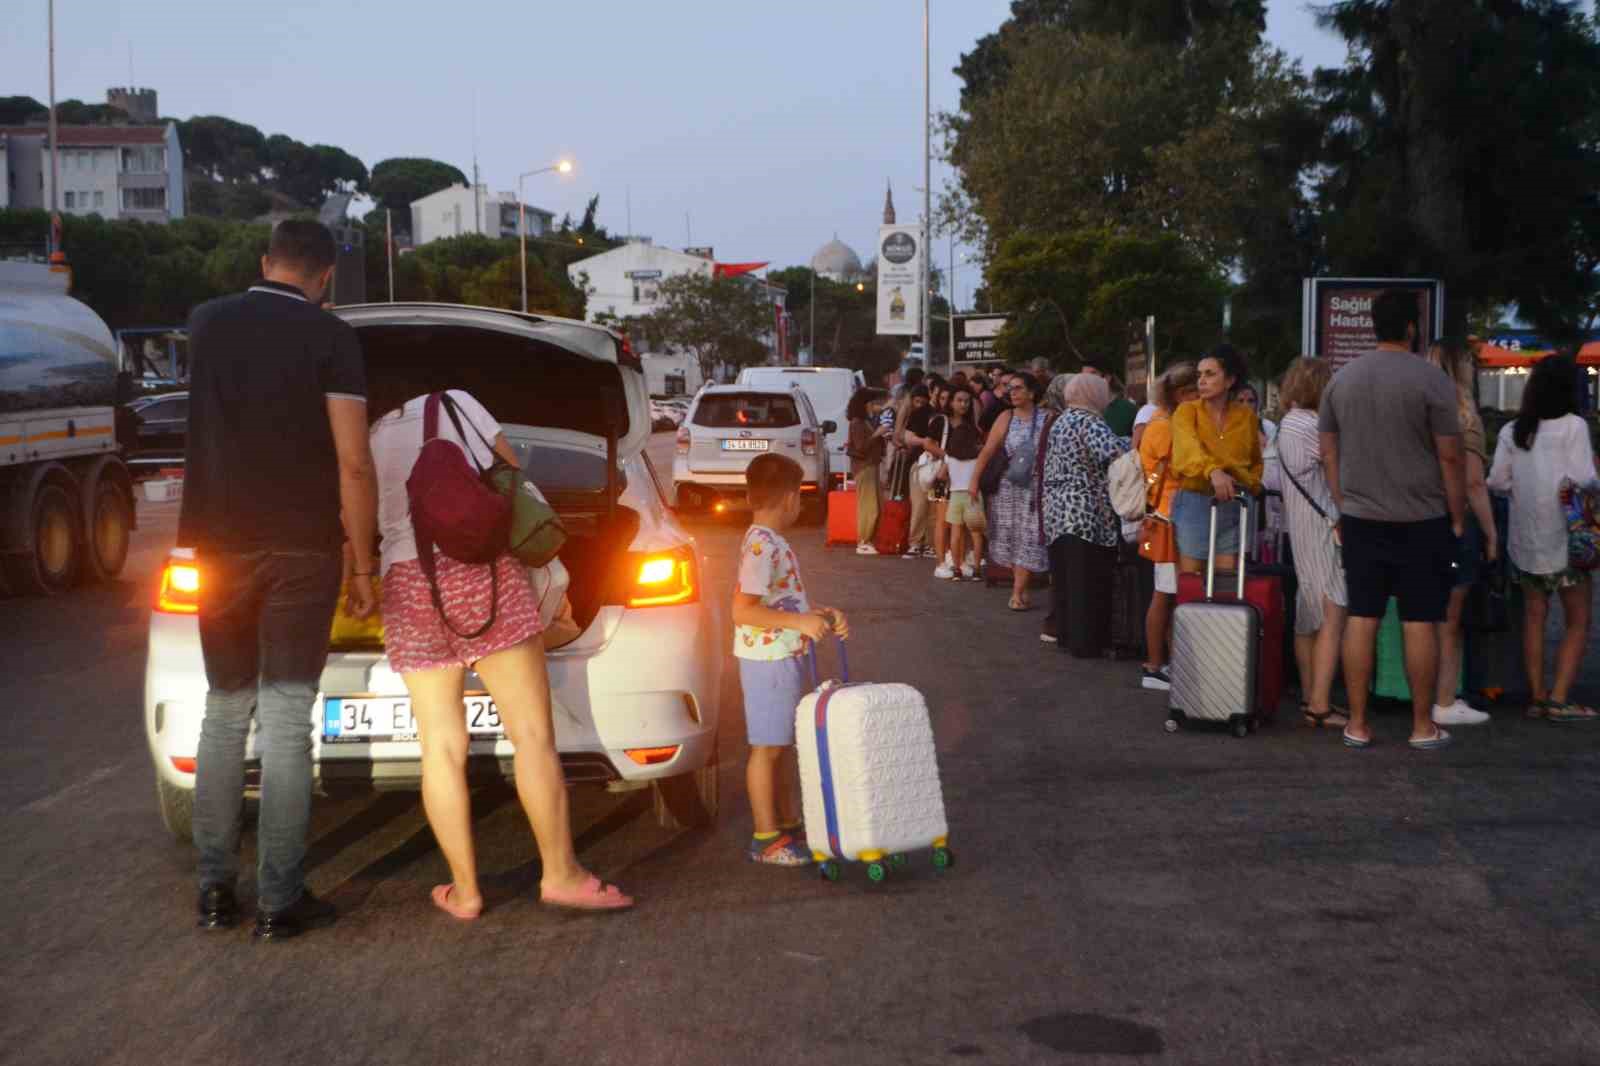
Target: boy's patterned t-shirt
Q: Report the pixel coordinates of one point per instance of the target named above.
(767, 568)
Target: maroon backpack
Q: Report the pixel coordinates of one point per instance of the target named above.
(451, 507)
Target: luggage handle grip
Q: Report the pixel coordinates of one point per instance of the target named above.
(816, 672)
(1211, 546)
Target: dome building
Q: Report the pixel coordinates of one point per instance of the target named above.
(836, 261)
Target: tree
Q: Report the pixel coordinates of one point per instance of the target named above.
(396, 182)
(21, 110)
(1081, 297)
(717, 320)
(1464, 143)
(308, 173)
(223, 149)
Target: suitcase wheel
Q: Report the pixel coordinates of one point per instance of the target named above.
(829, 870)
(1241, 727)
(1174, 721)
(877, 872)
(898, 859)
(943, 858)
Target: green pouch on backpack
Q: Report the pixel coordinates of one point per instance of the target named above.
(536, 530)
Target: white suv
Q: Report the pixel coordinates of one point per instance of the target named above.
(635, 696)
(729, 425)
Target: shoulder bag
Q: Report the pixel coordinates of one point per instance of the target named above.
(535, 535)
(931, 471)
(1157, 539)
(995, 471)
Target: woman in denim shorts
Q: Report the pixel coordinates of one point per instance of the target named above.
(1216, 451)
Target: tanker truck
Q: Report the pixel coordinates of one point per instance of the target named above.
(66, 495)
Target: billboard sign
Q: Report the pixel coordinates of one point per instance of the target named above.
(975, 334)
(1337, 314)
(900, 280)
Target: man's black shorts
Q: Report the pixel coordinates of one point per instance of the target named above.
(1411, 561)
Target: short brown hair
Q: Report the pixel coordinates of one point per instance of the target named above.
(1303, 385)
(302, 243)
(770, 479)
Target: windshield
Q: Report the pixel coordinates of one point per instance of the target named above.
(747, 410)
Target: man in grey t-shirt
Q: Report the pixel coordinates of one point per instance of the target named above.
(1391, 449)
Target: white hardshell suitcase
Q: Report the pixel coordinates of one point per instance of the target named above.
(869, 776)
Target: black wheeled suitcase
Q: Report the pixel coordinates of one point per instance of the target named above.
(1216, 654)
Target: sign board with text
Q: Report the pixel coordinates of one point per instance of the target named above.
(900, 280)
(975, 334)
(1337, 314)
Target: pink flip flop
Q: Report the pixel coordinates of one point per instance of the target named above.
(441, 899)
(595, 895)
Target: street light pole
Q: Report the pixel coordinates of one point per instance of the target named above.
(813, 314)
(927, 189)
(564, 167)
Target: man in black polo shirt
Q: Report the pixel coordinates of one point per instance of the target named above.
(277, 451)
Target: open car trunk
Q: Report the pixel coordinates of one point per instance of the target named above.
(533, 375)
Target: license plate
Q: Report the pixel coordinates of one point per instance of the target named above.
(743, 445)
(351, 718)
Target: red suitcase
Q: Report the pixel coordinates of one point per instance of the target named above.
(894, 527)
(1265, 593)
(842, 517)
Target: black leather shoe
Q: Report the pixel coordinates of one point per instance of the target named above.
(218, 908)
(303, 915)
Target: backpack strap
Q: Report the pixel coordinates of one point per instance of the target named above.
(452, 410)
(425, 548)
(430, 417)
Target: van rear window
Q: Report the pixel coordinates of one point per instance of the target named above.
(746, 410)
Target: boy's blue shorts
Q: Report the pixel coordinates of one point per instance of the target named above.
(772, 691)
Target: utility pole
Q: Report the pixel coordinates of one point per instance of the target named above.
(927, 188)
(388, 247)
(55, 170)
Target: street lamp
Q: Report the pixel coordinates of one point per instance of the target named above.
(562, 167)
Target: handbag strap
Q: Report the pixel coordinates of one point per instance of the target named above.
(455, 417)
(1315, 506)
(425, 548)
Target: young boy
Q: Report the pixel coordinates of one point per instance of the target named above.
(773, 623)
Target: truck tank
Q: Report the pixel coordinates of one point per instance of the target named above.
(54, 351)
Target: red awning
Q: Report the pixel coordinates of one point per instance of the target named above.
(1494, 357)
(733, 270)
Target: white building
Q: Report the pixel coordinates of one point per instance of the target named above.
(113, 171)
(671, 373)
(625, 281)
(457, 210)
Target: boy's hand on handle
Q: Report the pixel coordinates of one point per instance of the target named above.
(838, 624)
(812, 624)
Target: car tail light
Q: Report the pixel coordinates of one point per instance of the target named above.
(184, 764)
(662, 579)
(683, 440)
(651, 756)
(180, 587)
(808, 442)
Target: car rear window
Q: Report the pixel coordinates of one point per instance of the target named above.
(746, 410)
(560, 471)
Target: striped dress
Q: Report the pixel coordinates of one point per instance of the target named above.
(1316, 558)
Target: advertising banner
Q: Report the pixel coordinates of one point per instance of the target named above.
(975, 334)
(1338, 314)
(900, 280)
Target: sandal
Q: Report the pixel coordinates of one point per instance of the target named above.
(441, 899)
(1566, 713)
(1325, 720)
(1537, 709)
(1019, 604)
(594, 895)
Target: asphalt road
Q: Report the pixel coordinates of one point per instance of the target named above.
(1120, 894)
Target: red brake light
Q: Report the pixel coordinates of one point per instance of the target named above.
(683, 440)
(808, 442)
(180, 588)
(651, 756)
(662, 579)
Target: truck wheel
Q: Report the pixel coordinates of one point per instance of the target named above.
(108, 524)
(177, 809)
(50, 563)
(688, 801)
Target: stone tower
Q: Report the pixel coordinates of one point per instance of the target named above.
(888, 205)
(140, 104)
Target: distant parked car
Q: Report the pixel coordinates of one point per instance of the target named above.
(729, 425)
(158, 431)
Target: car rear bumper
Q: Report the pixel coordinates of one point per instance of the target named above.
(637, 679)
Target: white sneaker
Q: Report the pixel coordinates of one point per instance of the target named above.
(866, 549)
(1458, 713)
(944, 572)
(948, 561)
(969, 571)
(970, 564)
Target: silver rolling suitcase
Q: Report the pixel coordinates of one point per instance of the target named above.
(1216, 649)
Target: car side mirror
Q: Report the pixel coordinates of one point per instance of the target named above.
(830, 426)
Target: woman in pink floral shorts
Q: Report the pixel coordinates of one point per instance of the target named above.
(432, 656)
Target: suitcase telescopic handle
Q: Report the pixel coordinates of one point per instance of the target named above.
(844, 663)
(1211, 547)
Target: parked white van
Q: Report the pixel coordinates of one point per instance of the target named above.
(829, 389)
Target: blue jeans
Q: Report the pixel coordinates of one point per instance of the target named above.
(264, 622)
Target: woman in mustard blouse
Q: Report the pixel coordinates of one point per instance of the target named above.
(1216, 451)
